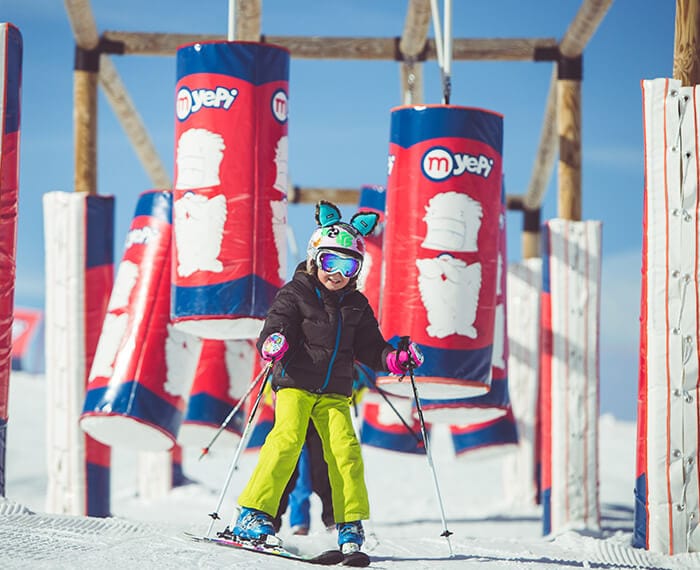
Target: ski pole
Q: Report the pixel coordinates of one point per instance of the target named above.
(241, 445)
(404, 345)
(398, 414)
(233, 412)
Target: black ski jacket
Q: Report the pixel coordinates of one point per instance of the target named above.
(326, 331)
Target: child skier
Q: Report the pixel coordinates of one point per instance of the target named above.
(316, 327)
(311, 473)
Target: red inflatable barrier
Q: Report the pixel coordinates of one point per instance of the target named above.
(143, 368)
(493, 437)
(231, 181)
(383, 428)
(223, 375)
(496, 402)
(441, 245)
(373, 199)
(28, 340)
(10, 90)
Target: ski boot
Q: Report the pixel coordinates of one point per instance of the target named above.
(255, 526)
(351, 537)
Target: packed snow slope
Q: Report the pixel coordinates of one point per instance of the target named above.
(404, 531)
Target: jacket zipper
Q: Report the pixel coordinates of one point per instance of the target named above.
(335, 352)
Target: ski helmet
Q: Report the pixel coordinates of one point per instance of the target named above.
(334, 235)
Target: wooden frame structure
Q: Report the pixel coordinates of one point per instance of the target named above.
(561, 127)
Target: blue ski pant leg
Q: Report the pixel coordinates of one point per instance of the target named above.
(280, 452)
(342, 452)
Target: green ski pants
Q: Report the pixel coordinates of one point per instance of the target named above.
(280, 452)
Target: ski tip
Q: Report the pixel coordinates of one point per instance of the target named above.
(328, 558)
(356, 559)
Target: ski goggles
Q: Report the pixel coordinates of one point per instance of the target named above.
(332, 262)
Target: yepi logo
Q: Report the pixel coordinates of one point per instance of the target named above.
(191, 101)
(391, 159)
(279, 105)
(140, 236)
(439, 163)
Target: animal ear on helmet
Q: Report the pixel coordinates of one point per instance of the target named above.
(327, 214)
(364, 222)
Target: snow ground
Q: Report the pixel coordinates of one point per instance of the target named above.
(404, 531)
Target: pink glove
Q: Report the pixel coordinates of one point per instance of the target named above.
(397, 361)
(274, 347)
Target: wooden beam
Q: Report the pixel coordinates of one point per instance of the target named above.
(82, 22)
(546, 152)
(497, 49)
(248, 20)
(686, 51)
(307, 195)
(572, 44)
(317, 47)
(132, 124)
(311, 195)
(583, 26)
(86, 79)
(415, 29)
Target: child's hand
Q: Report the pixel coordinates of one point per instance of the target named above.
(399, 361)
(274, 347)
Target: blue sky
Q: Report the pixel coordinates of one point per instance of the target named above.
(339, 120)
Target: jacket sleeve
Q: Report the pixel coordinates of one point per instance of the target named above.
(370, 347)
(283, 317)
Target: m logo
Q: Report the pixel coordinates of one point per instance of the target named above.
(437, 163)
(279, 105)
(183, 105)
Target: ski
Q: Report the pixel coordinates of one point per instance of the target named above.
(326, 558)
(357, 559)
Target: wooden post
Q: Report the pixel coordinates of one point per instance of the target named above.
(569, 130)
(412, 50)
(85, 78)
(570, 74)
(530, 240)
(686, 53)
(248, 20)
(411, 83)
